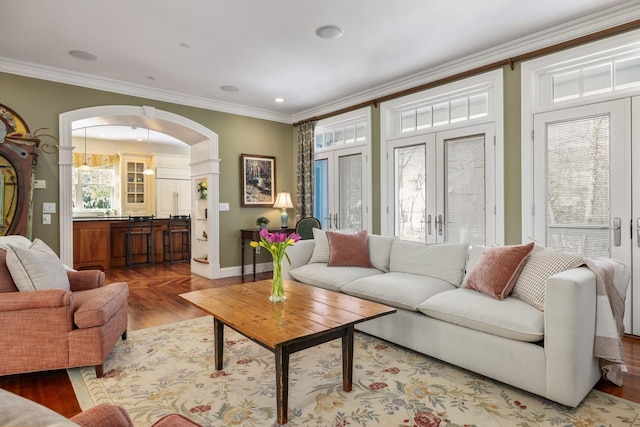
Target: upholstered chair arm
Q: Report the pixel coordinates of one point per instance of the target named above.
(50, 298)
(85, 279)
(299, 254)
(103, 415)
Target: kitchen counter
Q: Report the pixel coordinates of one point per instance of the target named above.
(99, 242)
(110, 218)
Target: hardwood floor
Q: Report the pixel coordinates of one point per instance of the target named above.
(154, 301)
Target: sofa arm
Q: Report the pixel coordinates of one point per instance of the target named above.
(85, 279)
(570, 324)
(49, 298)
(103, 415)
(299, 254)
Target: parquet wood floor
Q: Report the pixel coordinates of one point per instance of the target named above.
(154, 301)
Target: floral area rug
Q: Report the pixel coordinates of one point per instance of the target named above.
(170, 368)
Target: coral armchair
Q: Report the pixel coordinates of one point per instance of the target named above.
(57, 328)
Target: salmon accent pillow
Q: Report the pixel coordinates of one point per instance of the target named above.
(498, 269)
(348, 249)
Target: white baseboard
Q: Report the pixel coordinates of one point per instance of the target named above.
(248, 269)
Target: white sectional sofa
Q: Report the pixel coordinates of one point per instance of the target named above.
(547, 352)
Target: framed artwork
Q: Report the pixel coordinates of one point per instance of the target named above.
(258, 176)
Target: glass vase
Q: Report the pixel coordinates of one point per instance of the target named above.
(277, 290)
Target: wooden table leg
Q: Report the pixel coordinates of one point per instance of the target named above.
(347, 358)
(242, 258)
(282, 384)
(218, 342)
(254, 264)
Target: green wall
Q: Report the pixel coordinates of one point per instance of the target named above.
(39, 103)
(512, 153)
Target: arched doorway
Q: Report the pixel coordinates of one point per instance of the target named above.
(204, 163)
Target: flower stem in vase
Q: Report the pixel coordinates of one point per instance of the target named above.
(277, 290)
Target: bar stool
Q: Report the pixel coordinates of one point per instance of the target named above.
(180, 225)
(140, 226)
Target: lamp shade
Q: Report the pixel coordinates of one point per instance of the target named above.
(283, 201)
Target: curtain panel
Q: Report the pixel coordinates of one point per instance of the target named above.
(305, 175)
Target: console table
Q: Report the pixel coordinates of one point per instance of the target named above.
(254, 234)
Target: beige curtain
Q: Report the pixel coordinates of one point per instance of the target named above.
(306, 143)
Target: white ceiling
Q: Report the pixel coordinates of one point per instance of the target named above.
(267, 49)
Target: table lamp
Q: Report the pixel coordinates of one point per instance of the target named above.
(283, 201)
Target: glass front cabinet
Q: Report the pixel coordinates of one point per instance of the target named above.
(135, 185)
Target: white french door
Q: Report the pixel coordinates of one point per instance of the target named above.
(584, 184)
(340, 197)
(443, 186)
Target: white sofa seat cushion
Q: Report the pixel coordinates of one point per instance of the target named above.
(510, 318)
(444, 261)
(400, 290)
(332, 278)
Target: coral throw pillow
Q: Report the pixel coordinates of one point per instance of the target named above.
(348, 249)
(498, 268)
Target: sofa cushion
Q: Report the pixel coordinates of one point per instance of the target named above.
(510, 318)
(14, 240)
(321, 246)
(17, 411)
(94, 307)
(41, 246)
(496, 272)
(348, 250)
(6, 281)
(400, 290)
(475, 252)
(36, 270)
(542, 264)
(380, 251)
(443, 260)
(332, 278)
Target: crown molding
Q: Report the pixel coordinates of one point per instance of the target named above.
(609, 18)
(109, 85)
(602, 20)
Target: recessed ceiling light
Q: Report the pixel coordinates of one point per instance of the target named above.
(185, 45)
(329, 32)
(80, 54)
(229, 88)
(279, 100)
(150, 78)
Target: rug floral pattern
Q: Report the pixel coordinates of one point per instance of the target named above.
(170, 369)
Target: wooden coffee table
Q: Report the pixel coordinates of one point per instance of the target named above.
(310, 316)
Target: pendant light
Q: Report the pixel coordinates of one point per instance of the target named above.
(148, 170)
(85, 166)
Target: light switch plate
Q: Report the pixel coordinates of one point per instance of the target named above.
(48, 207)
(46, 219)
(224, 206)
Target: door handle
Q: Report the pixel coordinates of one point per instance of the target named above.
(429, 225)
(617, 231)
(638, 232)
(328, 219)
(439, 224)
(335, 221)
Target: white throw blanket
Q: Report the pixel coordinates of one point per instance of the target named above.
(612, 280)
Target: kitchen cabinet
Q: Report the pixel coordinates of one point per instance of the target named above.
(135, 185)
(173, 197)
(91, 245)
